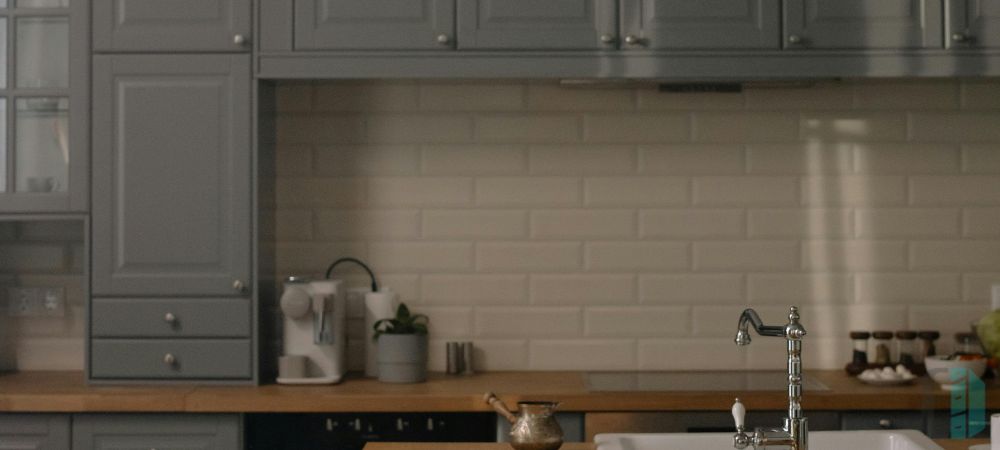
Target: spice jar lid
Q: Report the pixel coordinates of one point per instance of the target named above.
(860, 335)
(882, 334)
(906, 335)
(929, 334)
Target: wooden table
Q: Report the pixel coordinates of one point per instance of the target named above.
(947, 444)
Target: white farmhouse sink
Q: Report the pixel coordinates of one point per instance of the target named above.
(818, 440)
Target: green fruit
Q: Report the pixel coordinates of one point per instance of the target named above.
(988, 330)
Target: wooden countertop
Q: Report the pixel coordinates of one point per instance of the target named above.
(947, 444)
(67, 392)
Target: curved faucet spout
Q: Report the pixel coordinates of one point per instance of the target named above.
(750, 317)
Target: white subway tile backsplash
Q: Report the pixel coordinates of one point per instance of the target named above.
(528, 192)
(467, 160)
(474, 289)
(639, 128)
(578, 354)
(582, 160)
(692, 224)
(475, 224)
(526, 257)
(589, 289)
(687, 159)
(750, 191)
(622, 229)
(636, 191)
(637, 256)
(680, 289)
(583, 224)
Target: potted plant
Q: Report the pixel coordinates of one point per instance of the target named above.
(402, 347)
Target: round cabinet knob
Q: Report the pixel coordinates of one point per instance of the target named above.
(607, 39)
(960, 37)
(633, 40)
(885, 424)
(238, 286)
(443, 39)
(169, 359)
(170, 318)
(239, 39)
(794, 39)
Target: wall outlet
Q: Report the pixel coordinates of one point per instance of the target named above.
(36, 302)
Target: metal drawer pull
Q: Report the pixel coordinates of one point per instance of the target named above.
(238, 286)
(794, 39)
(443, 39)
(607, 39)
(633, 40)
(170, 318)
(169, 359)
(960, 37)
(239, 39)
(885, 424)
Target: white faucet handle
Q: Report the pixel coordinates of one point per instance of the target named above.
(739, 413)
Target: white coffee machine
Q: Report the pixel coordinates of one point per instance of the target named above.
(315, 325)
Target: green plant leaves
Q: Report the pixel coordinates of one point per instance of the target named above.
(403, 323)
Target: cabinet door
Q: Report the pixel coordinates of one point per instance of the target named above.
(531, 24)
(374, 24)
(34, 432)
(172, 173)
(863, 24)
(163, 431)
(973, 23)
(175, 25)
(706, 24)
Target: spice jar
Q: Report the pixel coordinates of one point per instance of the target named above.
(859, 356)
(906, 348)
(883, 352)
(967, 343)
(927, 344)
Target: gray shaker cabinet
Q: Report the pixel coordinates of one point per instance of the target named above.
(537, 25)
(175, 25)
(374, 24)
(863, 24)
(706, 24)
(973, 24)
(34, 432)
(172, 163)
(157, 431)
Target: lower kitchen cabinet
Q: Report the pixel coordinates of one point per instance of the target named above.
(34, 432)
(159, 431)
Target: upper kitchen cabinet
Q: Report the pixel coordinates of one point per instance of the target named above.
(534, 25)
(172, 185)
(863, 24)
(973, 24)
(171, 26)
(706, 24)
(374, 24)
(44, 73)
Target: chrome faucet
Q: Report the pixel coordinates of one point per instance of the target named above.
(795, 431)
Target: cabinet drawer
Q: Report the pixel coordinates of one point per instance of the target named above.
(164, 431)
(34, 431)
(887, 420)
(170, 358)
(188, 317)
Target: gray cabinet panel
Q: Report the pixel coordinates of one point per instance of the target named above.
(170, 359)
(171, 210)
(975, 22)
(863, 24)
(163, 431)
(34, 432)
(374, 24)
(709, 24)
(531, 24)
(884, 420)
(176, 25)
(187, 317)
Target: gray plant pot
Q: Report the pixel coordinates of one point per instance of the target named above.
(402, 358)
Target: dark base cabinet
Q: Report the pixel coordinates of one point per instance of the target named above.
(34, 431)
(164, 431)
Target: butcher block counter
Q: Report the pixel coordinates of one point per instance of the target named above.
(67, 392)
(947, 444)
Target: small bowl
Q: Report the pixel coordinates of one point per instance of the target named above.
(939, 368)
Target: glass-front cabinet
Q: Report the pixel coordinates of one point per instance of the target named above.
(44, 83)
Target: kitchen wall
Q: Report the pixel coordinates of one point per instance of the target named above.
(626, 228)
(49, 254)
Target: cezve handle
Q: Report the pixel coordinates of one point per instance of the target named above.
(739, 413)
(492, 400)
